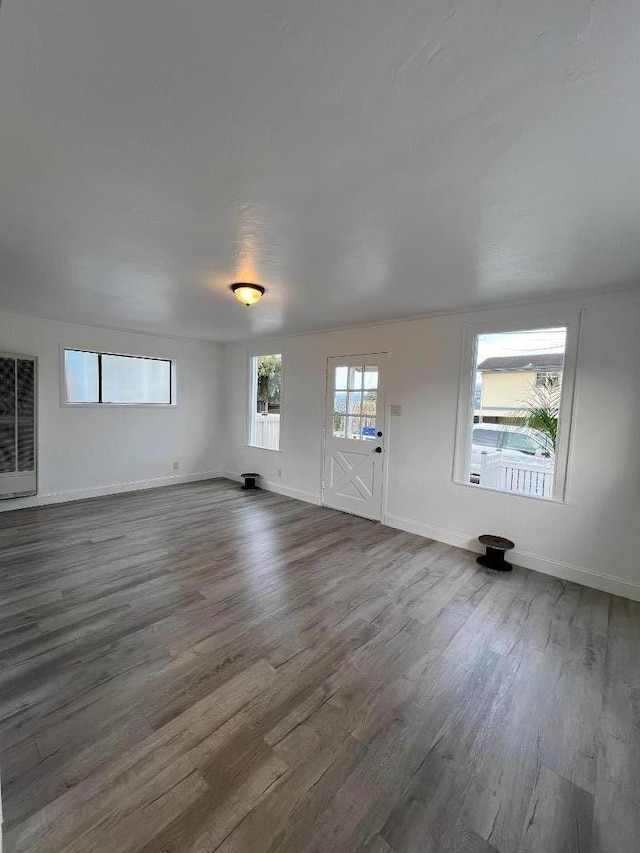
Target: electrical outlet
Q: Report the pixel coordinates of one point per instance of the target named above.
(279, 472)
(176, 465)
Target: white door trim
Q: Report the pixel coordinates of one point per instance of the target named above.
(383, 421)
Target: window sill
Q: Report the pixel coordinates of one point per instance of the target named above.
(478, 487)
(66, 404)
(268, 449)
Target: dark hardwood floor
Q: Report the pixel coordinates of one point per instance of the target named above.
(198, 668)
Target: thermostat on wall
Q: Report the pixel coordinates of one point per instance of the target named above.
(396, 411)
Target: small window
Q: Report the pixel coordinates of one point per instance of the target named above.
(265, 401)
(111, 379)
(521, 381)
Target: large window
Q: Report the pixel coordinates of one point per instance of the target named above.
(265, 401)
(97, 377)
(515, 408)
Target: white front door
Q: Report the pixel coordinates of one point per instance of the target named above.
(354, 435)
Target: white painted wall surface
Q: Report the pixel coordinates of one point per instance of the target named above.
(593, 538)
(91, 450)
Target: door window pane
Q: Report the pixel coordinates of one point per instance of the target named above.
(369, 403)
(354, 406)
(341, 378)
(353, 428)
(369, 429)
(81, 376)
(339, 424)
(371, 378)
(355, 378)
(340, 401)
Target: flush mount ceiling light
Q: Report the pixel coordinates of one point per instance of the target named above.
(247, 293)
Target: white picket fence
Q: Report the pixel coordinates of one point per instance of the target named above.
(268, 431)
(521, 477)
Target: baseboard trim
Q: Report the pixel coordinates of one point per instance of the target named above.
(556, 568)
(279, 489)
(68, 495)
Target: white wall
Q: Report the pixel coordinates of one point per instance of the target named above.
(86, 451)
(593, 538)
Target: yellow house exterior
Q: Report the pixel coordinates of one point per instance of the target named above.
(505, 394)
(506, 386)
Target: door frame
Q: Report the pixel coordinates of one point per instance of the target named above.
(386, 420)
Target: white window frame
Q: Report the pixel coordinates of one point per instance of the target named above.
(461, 461)
(252, 386)
(100, 405)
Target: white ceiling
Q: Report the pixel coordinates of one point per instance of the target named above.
(363, 159)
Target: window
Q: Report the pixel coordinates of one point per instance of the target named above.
(355, 400)
(514, 410)
(265, 401)
(97, 377)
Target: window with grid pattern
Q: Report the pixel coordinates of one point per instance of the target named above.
(355, 401)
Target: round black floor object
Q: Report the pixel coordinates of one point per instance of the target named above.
(494, 558)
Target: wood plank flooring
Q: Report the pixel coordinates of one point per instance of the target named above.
(197, 668)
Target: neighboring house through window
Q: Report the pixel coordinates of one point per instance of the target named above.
(507, 382)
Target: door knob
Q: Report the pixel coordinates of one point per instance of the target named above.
(378, 450)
